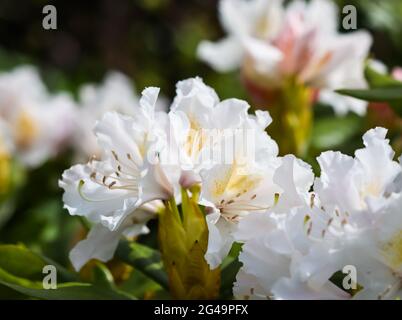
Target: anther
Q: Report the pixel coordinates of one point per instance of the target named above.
(312, 200)
(310, 227)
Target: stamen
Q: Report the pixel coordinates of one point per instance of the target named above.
(115, 155)
(310, 228)
(312, 200)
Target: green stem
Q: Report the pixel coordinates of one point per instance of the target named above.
(292, 116)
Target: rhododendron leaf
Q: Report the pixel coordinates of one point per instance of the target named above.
(386, 94)
(21, 262)
(330, 132)
(379, 80)
(22, 270)
(144, 259)
(229, 273)
(64, 291)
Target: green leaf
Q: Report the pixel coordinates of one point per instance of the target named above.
(385, 94)
(21, 270)
(383, 88)
(330, 132)
(143, 287)
(21, 262)
(228, 277)
(379, 80)
(102, 277)
(64, 291)
(144, 259)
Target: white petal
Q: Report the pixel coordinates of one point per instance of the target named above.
(254, 226)
(223, 55)
(229, 113)
(265, 56)
(342, 104)
(295, 177)
(219, 240)
(100, 244)
(263, 118)
(149, 97)
(337, 185)
(248, 287)
(98, 203)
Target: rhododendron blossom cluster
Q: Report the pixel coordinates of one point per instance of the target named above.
(297, 231)
(256, 190)
(272, 43)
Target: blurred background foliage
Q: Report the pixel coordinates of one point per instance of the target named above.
(153, 42)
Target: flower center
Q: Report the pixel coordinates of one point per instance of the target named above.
(26, 130)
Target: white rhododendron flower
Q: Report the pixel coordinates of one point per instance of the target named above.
(355, 185)
(302, 254)
(38, 124)
(272, 43)
(298, 232)
(116, 93)
(372, 251)
(271, 258)
(146, 156)
(201, 124)
(109, 191)
(242, 184)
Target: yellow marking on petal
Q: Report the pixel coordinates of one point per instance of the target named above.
(262, 28)
(142, 146)
(195, 139)
(392, 251)
(26, 130)
(373, 189)
(5, 169)
(235, 182)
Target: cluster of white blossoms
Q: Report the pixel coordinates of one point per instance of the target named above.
(298, 232)
(350, 219)
(116, 93)
(34, 125)
(272, 42)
